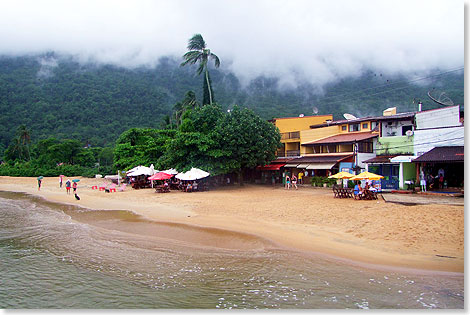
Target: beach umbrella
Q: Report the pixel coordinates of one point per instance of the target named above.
(366, 175)
(75, 180)
(40, 177)
(140, 170)
(186, 176)
(192, 174)
(61, 175)
(171, 171)
(342, 175)
(199, 173)
(160, 176)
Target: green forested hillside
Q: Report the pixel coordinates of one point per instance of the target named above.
(56, 96)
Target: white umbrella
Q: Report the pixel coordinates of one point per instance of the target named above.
(200, 173)
(171, 171)
(132, 169)
(192, 174)
(186, 176)
(141, 170)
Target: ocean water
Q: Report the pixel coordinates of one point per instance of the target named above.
(57, 256)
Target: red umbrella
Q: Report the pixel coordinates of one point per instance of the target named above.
(160, 176)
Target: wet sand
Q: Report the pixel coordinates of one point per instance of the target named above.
(425, 237)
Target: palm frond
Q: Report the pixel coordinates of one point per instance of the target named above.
(216, 60)
(201, 67)
(196, 43)
(191, 57)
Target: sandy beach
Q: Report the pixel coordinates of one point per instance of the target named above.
(425, 237)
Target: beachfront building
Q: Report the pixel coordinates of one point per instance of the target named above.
(337, 146)
(322, 147)
(406, 136)
(394, 150)
(291, 128)
(291, 139)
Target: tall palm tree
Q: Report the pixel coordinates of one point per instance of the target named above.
(24, 140)
(198, 52)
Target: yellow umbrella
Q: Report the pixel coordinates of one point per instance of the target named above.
(366, 175)
(341, 175)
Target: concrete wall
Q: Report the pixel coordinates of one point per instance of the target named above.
(425, 140)
(318, 133)
(441, 117)
(409, 171)
(362, 157)
(292, 124)
(395, 128)
(401, 145)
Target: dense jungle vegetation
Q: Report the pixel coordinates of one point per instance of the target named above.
(64, 104)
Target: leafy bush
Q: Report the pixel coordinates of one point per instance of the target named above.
(320, 180)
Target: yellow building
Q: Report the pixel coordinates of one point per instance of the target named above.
(291, 129)
(319, 146)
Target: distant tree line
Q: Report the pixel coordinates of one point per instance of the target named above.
(95, 104)
(206, 137)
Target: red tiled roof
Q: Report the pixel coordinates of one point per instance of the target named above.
(447, 154)
(344, 138)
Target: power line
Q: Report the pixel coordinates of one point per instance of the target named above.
(418, 144)
(387, 85)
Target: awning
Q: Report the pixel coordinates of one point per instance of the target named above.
(403, 159)
(291, 165)
(320, 166)
(302, 165)
(270, 167)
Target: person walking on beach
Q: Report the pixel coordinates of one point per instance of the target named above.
(294, 181)
(39, 183)
(67, 186)
(60, 181)
(287, 182)
(74, 187)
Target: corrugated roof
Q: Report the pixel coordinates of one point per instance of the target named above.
(448, 154)
(344, 138)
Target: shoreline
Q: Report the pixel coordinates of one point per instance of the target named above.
(308, 220)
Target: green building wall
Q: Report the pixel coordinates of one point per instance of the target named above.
(409, 171)
(399, 145)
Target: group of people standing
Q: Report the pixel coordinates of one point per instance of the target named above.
(427, 180)
(293, 180)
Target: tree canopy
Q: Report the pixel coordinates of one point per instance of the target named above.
(209, 138)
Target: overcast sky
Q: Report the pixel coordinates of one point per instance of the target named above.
(295, 39)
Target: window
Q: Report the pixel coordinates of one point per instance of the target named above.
(404, 129)
(365, 147)
(365, 125)
(354, 127)
(373, 125)
(344, 128)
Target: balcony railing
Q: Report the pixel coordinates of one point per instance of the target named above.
(292, 152)
(290, 135)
